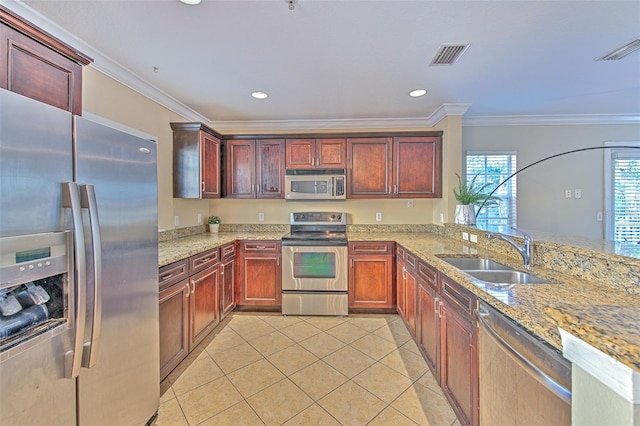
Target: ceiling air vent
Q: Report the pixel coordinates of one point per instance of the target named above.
(621, 51)
(448, 54)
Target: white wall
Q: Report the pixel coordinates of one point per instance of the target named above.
(541, 189)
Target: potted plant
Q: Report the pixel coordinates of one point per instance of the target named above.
(469, 195)
(214, 223)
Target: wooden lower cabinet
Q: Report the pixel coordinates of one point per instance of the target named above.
(406, 288)
(204, 304)
(227, 279)
(371, 275)
(260, 274)
(459, 363)
(174, 326)
(428, 333)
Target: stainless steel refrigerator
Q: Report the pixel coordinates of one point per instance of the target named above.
(78, 270)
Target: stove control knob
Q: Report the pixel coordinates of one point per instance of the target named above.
(333, 216)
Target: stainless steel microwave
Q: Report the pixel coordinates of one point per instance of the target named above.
(315, 184)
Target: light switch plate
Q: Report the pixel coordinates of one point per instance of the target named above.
(577, 193)
(465, 236)
(473, 238)
(567, 193)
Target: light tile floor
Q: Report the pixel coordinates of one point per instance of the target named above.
(263, 369)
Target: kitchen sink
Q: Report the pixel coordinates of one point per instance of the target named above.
(475, 264)
(507, 277)
(493, 272)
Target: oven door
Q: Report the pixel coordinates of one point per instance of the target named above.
(314, 268)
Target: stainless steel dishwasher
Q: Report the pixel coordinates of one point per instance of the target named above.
(523, 381)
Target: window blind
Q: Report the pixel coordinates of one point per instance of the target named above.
(626, 195)
(493, 168)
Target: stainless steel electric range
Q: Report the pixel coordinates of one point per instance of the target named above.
(314, 265)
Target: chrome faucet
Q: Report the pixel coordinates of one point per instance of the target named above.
(525, 251)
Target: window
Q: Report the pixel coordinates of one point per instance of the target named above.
(493, 168)
(622, 193)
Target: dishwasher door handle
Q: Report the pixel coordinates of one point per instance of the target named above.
(551, 384)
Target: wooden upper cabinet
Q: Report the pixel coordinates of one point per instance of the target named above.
(196, 161)
(255, 168)
(36, 65)
(270, 168)
(369, 167)
(417, 168)
(241, 165)
(315, 153)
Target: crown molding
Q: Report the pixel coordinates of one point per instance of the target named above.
(104, 63)
(111, 68)
(550, 120)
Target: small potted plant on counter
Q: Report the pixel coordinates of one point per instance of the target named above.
(214, 223)
(469, 195)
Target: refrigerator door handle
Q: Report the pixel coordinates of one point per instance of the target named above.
(88, 200)
(78, 288)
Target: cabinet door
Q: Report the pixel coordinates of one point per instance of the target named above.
(240, 169)
(270, 168)
(369, 167)
(400, 287)
(260, 280)
(331, 153)
(210, 167)
(38, 72)
(174, 326)
(459, 367)
(410, 316)
(300, 154)
(428, 332)
(371, 281)
(227, 287)
(417, 168)
(204, 304)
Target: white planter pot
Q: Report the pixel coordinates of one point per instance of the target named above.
(213, 227)
(465, 215)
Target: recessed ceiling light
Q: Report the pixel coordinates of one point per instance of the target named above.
(417, 93)
(259, 95)
(191, 2)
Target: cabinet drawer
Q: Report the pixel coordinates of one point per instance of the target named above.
(370, 247)
(410, 259)
(172, 273)
(259, 246)
(228, 251)
(460, 298)
(203, 260)
(428, 274)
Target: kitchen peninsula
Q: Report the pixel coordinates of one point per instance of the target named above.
(581, 277)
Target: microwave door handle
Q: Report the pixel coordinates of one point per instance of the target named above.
(78, 286)
(88, 200)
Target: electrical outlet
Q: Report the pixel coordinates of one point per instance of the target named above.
(176, 220)
(599, 216)
(577, 193)
(465, 236)
(378, 217)
(261, 217)
(567, 193)
(473, 238)
(410, 203)
(199, 218)
(441, 217)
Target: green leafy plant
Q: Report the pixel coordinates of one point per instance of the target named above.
(470, 193)
(214, 220)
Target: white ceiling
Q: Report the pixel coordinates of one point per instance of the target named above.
(353, 60)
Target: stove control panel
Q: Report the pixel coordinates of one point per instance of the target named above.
(318, 218)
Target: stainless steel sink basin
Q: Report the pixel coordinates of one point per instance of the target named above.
(475, 264)
(507, 277)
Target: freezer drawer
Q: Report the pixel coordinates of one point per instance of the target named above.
(310, 303)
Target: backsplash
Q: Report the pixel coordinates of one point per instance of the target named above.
(619, 271)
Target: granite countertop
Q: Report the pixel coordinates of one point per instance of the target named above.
(603, 316)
